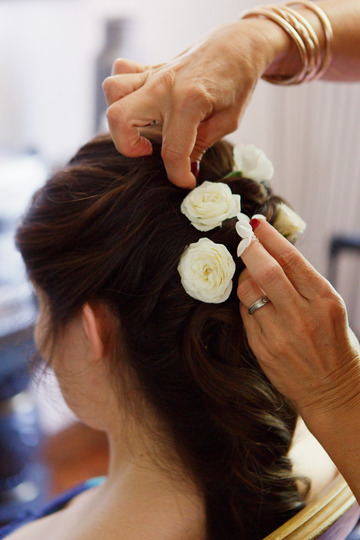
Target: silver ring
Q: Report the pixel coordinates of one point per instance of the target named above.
(258, 304)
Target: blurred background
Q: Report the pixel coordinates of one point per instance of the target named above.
(54, 55)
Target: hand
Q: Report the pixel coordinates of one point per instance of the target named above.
(198, 97)
(301, 339)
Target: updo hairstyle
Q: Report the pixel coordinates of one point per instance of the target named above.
(108, 227)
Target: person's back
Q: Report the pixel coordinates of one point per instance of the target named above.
(199, 438)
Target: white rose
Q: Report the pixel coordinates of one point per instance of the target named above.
(252, 162)
(209, 204)
(206, 270)
(288, 222)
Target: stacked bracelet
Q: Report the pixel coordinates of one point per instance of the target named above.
(314, 62)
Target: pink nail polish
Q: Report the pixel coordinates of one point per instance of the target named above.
(195, 167)
(254, 222)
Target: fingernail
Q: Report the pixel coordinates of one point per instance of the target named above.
(254, 222)
(195, 167)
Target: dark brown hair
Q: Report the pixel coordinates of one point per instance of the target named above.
(109, 228)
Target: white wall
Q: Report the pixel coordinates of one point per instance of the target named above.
(316, 151)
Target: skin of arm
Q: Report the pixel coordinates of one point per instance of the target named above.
(339, 433)
(337, 428)
(315, 358)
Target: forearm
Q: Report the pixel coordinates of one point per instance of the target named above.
(339, 434)
(344, 17)
(337, 425)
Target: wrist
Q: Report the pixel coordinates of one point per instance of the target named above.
(335, 406)
(274, 45)
(337, 432)
(313, 55)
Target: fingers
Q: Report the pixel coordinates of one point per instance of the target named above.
(253, 329)
(129, 108)
(132, 104)
(269, 276)
(122, 65)
(307, 281)
(249, 291)
(212, 130)
(119, 86)
(125, 117)
(179, 141)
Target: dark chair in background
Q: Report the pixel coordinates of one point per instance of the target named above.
(339, 245)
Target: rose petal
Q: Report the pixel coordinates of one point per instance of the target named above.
(243, 230)
(243, 218)
(243, 227)
(245, 243)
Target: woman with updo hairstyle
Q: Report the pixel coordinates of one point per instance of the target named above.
(199, 438)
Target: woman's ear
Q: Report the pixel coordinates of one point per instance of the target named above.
(92, 326)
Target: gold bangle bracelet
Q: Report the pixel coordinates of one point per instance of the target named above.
(314, 62)
(328, 33)
(309, 37)
(269, 14)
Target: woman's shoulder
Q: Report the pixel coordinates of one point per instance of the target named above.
(44, 523)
